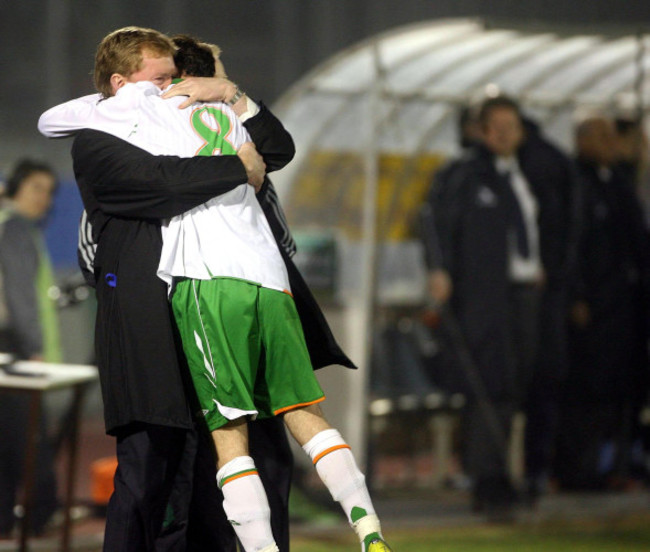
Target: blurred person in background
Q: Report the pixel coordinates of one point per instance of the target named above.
(484, 239)
(554, 180)
(608, 376)
(29, 331)
(634, 158)
(470, 136)
(496, 216)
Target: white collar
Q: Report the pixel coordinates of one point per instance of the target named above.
(506, 164)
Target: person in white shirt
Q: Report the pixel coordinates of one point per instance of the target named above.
(231, 299)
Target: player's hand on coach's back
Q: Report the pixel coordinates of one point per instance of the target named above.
(253, 163)
(202, 89)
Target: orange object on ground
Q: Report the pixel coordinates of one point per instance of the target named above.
(102, 472)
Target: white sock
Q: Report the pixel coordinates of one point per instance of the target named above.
(338, 469)
(246, 505)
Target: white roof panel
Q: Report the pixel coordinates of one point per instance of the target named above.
(430, 69)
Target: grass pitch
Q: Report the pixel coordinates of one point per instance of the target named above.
(629, 534)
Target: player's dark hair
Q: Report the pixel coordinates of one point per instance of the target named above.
(22, 171)
(192, 58)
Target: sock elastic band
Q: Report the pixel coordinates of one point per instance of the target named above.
(322, 441)
(237, 475)
(326, 452)
(237, 467)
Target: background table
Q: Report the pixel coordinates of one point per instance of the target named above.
(36, 378)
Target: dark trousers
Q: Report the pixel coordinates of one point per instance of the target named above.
(586, 428)
(270, 449)
(542, 424)
(485, 439)
(603, 393)
(14, 413)
(166, 497)
(149, 459)
(524, 337)
(542, 407)
(486, 434)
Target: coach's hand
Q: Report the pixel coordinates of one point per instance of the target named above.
(202, 89)
(253, 163)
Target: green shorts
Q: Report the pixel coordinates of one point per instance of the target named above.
(245, 349)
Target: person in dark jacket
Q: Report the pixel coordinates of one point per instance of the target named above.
(634, 157)
(607, 381)
(135, 244)
(492, 216)
(146, 396)
(28, 331)
(146, 404)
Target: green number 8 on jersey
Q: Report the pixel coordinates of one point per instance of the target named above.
(213, 126)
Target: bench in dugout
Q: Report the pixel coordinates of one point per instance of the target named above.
(414, 407)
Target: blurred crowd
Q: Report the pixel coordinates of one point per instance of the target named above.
(539, 265)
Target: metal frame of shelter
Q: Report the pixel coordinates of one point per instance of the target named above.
(401, 90)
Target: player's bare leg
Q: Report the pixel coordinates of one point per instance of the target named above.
(339, 472)
(231, 441)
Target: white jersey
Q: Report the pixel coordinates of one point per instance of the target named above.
(227, 236)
